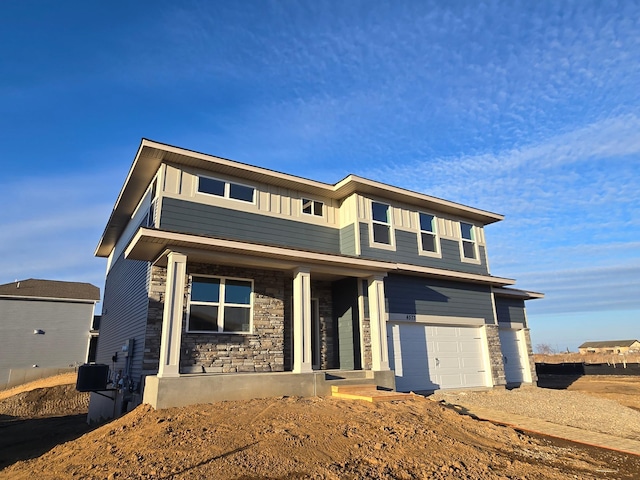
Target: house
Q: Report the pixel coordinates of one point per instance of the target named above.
(44, 326)
(610, 346)
(231, 281)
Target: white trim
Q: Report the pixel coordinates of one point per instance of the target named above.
(435, 319)
(221, 304)
(389, 223)
(477, 260)
(436, 235)
(227, 189)
(313, 205)
(160, 240)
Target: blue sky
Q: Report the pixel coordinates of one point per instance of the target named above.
(529, 109)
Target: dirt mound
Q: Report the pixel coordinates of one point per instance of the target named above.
(311, 438)
(46, 402)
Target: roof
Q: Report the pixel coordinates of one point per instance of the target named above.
(151, 155)
(53, 289)
(516, 293)
(608, 344)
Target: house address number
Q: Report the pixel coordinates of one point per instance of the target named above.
(410, 317)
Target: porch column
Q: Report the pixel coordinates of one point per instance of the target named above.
(378, 324)
(302, 320)
(172, 316)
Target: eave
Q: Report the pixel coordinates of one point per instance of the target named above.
(152, 245)
(516, 293)
(151, 155)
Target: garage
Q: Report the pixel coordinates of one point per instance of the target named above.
(432, 357)
(512, 343)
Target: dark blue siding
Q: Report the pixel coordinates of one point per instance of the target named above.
(510, 310)
(424, 296)
(407, 252)
(199, 219)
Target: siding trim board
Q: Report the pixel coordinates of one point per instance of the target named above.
(151, 156)
(151, 244)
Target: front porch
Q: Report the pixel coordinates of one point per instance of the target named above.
(311, 327)
(188, 389)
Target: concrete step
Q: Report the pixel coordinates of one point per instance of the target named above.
(331, 375)
(368, 393)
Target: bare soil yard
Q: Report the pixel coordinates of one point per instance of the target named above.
(285, 438)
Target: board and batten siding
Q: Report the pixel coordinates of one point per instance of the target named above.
(65, 341)
(406, 251)
(200, 219)
(510, 310)
(424, 296)
(270, 199)
(124, 315)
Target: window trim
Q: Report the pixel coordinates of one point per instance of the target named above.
(303, 200)
(386, 246)
(473, 241)
(221, 305)
(436, 236)
(227, 189)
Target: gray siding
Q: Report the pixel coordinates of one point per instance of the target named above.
(124, 315)
(199, 219)
(424, 296)
(64, 343)
(348, 240)
(510, 310)
(407, 252)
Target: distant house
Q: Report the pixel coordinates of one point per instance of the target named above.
(610, 346)
(44, 324)
(228, 281)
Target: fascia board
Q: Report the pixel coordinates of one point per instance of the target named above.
(162, 240)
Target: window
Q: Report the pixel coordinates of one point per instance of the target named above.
(220, 305)
(221, 188)
(468, 240)
(381, 223)
(428, 235)
(312, 207)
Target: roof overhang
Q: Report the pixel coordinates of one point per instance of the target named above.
(516, 293)
(153, 245)
(151, 155)
(48, 299)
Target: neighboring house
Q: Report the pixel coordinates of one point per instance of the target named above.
(44, 324)
(227, 281)
(610, 346)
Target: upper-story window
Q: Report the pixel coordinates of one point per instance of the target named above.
(381, 223)
(468, 235)
(222, 188)
(312, 207)
(428, 233)
(219, 304)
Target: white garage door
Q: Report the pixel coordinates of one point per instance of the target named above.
(429, 357)
(514, 365)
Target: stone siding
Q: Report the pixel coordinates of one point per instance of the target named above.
(260, 351)
(532, 362)
(495, 355)
(321, 291)
(157, 288)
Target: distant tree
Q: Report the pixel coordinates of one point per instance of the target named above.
(545, 349)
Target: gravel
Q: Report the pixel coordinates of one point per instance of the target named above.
(561, 407)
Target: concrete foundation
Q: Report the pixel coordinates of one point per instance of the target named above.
(203, 388)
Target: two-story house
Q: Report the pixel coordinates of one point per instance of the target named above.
(231, 281)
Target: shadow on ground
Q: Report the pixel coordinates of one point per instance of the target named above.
(557, 382)
(23, 439)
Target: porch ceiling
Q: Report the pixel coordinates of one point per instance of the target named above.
(152, 245)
